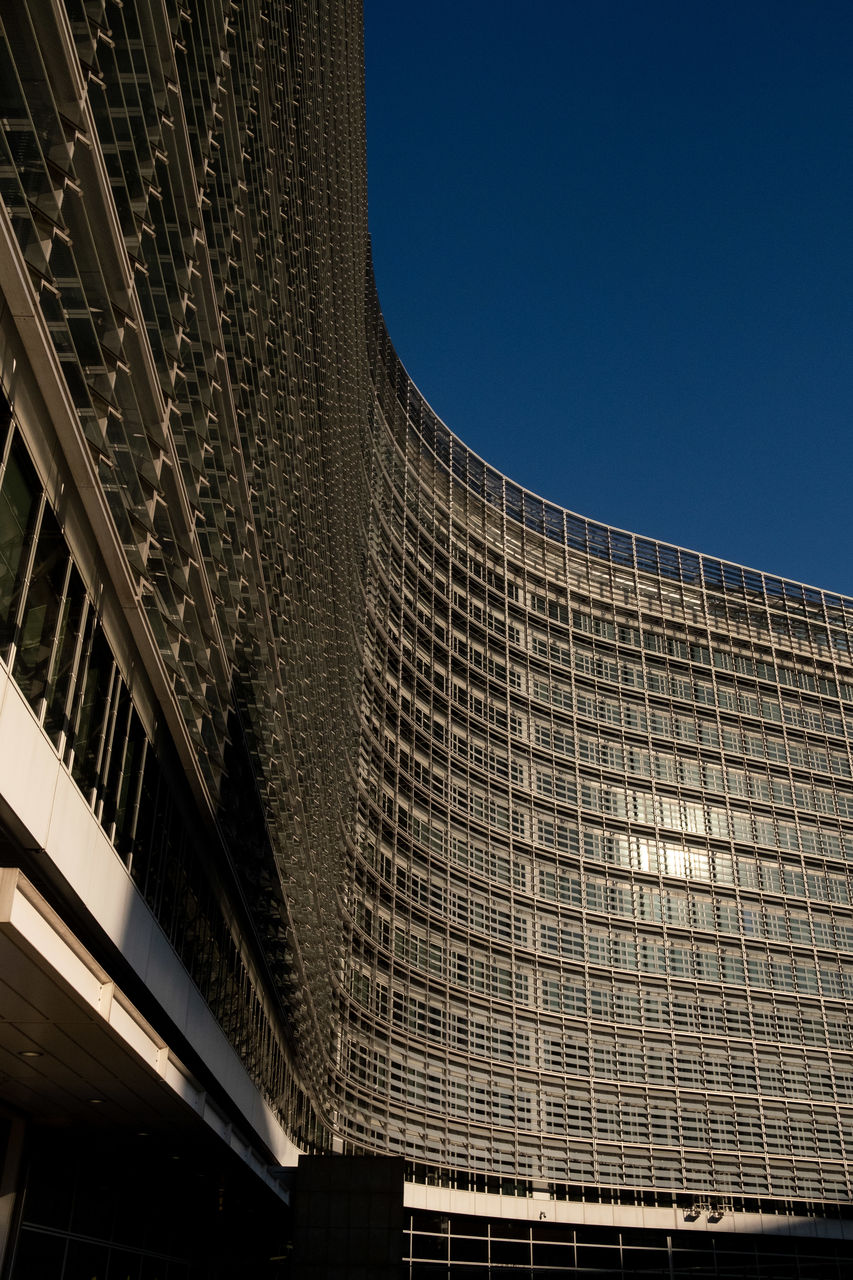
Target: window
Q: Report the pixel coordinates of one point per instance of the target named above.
(20, 499)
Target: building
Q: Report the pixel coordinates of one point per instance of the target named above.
(355, 801)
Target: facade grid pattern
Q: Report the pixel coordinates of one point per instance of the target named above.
(495, 838)
(604, 920)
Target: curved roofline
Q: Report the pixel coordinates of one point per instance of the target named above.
(592, 537)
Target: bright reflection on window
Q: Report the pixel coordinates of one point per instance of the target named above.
(671, 860)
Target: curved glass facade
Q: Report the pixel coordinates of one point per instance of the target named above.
(603, 931)
(493, 837)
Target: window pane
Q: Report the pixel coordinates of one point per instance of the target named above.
(65, 652)
(126, 803)
(91, 710)
(19, 503)
(41, 610)
(111, 770)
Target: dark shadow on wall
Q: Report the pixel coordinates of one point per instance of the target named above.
(348, 1218)
(111, 1204)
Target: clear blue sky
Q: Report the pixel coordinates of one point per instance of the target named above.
(612, 240)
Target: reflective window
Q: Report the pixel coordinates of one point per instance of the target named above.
(20, 499)
(39, 623)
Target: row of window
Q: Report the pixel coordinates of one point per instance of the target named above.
(508, 922)
(439, 1247)
(680, 815)
(702, 963)
(55, 647)
(599, 541)
(57, 651)
(635, 853)
(810, 718)
(660, 681)
(634, 1117)
(677, 770)
(740, 740)
(646, 903)
(579, 940)
(684, 770)
(691, 651)
(688, 1063)
(655, 1118)
(616, 998)
(666, 683)
(794, 715)
(495, 810)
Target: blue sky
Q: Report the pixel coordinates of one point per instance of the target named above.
(612, 240)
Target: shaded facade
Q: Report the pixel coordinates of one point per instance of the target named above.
(379, 806)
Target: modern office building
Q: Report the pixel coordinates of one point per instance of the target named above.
(353, 801)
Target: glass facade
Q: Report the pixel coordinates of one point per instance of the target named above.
(604, 928)
(463, 1248)
(494, 838)
(59, 657)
